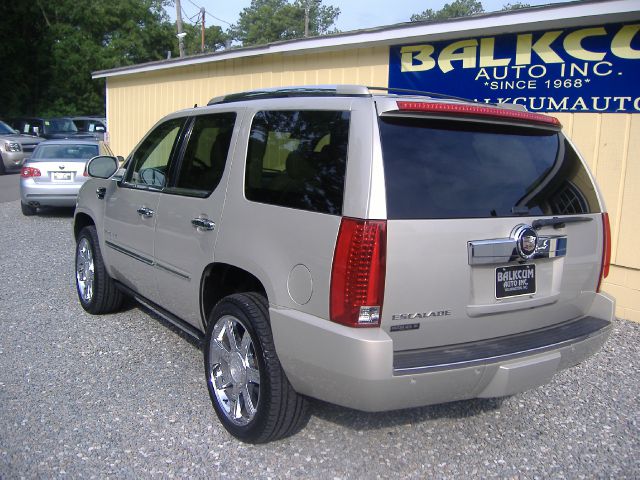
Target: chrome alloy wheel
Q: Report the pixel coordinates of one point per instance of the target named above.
(85, 270)
(234, 373)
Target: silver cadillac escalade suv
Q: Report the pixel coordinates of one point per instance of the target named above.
(374, 251)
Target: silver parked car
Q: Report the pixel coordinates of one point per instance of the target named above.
(14, 148)
(374, 251)
(55, 172)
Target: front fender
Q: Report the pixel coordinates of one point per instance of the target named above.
(90, 207)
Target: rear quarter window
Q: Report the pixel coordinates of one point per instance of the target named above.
(297, 159)
(455, 169)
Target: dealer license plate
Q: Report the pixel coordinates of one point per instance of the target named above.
(515, 280)
(62, 175)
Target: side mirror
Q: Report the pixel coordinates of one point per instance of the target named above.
(102, 166)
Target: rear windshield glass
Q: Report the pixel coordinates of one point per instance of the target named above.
(453, 169)
(68, 152)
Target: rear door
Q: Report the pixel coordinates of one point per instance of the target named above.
(476, 244)
(131, 207)
(189, 213)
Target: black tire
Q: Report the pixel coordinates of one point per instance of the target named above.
(2, 168)
(280, 410)
(105, 296)
(28, 210)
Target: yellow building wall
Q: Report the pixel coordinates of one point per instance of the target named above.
(136, 102)
(610, 143)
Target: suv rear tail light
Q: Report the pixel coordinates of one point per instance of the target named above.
(358, 273)
(27, 172)
(478, 110)
(606, 249)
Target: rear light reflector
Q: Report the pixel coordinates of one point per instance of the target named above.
(358, 273)
(27, 172)
(478, 110)
(606, 249)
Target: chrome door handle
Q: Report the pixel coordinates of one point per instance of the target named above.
(203, 223)
(145, 212)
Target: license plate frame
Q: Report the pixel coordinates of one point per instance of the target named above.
(62, 176)
(522, 282)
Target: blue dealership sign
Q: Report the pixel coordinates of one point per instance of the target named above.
(589, 69)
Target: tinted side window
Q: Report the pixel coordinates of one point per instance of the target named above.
(449, 169)
(150, 162)
(206, 154)
(298, 159)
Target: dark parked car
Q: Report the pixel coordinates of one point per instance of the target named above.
(92, 125)
(49, 128)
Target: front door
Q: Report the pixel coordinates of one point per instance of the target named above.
(189, 213)
(131, 210)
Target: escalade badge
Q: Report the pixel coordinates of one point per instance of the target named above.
(526, 241)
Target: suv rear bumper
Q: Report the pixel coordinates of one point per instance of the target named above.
(355, 367)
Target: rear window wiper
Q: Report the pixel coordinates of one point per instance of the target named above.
(558, 222)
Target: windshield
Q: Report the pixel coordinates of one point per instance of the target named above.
(454, 169)
(6, 129)
(65, 152)
(60, 125)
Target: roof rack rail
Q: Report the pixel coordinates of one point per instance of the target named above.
(302, 91)
(422, 93)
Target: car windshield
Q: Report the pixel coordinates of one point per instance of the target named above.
(6, 129)
(68, 152)
(60, 125)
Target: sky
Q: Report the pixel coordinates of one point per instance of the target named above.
(354, 14)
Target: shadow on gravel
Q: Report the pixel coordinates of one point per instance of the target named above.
(55, 212)
(357, 420)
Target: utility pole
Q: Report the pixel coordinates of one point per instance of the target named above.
(180, 33)
(202, 42)
(306, 18)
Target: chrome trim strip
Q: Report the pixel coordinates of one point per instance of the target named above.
(146, 261)
(129, 253)
(170, 270)
(503, 250)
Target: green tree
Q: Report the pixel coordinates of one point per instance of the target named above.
(455, 9)
(51, 48)
(266, 21)
(214, 39)
(515, 6)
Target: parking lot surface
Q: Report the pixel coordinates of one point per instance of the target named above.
(9, 187)
(124, 395)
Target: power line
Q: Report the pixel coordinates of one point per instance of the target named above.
(207, 13)
(219, 19)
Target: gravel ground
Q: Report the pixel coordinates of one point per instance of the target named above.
(84, 396)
